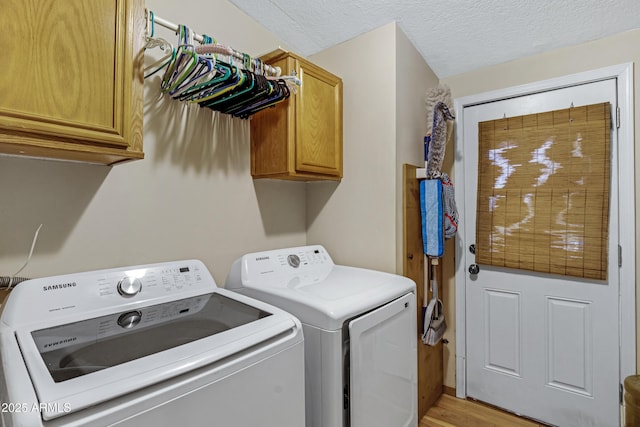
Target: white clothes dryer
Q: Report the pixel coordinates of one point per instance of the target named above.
(151, 345)
(360, 333)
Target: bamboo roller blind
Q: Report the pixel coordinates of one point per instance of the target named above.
(543, 192)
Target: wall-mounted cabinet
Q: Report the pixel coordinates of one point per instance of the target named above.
(71, 84)
(300, 138)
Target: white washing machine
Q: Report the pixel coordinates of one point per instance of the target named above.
(360, 334)
(152, 345)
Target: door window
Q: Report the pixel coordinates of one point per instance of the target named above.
(543, 192)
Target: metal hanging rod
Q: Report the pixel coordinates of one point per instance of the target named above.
(153, 19)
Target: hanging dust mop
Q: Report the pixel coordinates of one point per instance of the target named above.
(438, 102)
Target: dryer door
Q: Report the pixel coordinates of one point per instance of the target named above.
(383, 374)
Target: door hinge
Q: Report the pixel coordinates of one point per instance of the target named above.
(619, 256)
(617, 117)
(621, 393)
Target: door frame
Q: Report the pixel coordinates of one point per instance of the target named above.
(626, 216)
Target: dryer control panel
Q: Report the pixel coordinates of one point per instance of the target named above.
(304, 261)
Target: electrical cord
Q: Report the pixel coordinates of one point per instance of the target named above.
(33, 245)
(5, 280)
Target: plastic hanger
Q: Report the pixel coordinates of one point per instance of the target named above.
(235, 79)
(222, 73)
(185, 62)
(282, 92)
(260, 90)
(219, 73)
(239, 91)
(161, 63)
(204, 70)
(153, 42)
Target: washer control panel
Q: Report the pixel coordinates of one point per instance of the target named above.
(57, 296)
(158, 281)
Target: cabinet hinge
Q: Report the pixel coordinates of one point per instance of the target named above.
(617, 117)
(619, 256)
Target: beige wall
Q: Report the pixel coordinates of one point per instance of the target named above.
(191, 197)
(385, 79)
(613, 50)
(355, 219)
(413, 79)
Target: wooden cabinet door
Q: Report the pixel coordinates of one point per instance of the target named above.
(300, 138)
(318, 141)
(67, 74)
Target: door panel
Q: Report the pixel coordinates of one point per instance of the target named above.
(502, 331)
(383, 377)
(569, 345)
(542, 345)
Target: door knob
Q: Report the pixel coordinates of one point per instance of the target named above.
(474, 269)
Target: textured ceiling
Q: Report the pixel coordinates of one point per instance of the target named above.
(453, 36)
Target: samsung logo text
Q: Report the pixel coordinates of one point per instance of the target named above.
(59, 286)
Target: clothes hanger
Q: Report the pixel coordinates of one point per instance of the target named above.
(161, 63)
(242, 90)
(260, 91)
(153, 42)
(281, 93)
(235, 79)
(220, 73)
(204, 72)
(186, 60)
(184, 64)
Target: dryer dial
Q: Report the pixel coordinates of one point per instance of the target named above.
(129, 286)
(293, 260)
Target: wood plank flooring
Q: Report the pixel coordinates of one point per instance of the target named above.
(450, 411)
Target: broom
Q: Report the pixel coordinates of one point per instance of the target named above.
(434, 325)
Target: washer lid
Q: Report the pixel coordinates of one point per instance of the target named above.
(316, 291)
(87, 361)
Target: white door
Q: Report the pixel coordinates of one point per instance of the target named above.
(541, 345)
(383, 373)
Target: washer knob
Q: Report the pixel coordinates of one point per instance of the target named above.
(128, 286)
(293, 260)
(130, 319)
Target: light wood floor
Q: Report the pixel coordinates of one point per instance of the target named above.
(450, 411)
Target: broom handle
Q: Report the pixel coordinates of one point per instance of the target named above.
(434, 284)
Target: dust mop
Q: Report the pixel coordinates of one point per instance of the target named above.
(438, 104)
(432, 217)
